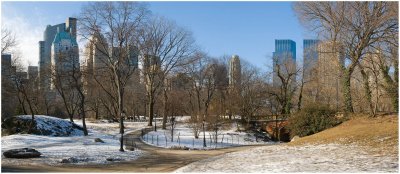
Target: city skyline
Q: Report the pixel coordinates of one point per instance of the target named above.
(224, 31)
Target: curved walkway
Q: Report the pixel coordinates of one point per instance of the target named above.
(154, 161)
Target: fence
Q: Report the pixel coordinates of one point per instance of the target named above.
(130, 143)
(223, 140)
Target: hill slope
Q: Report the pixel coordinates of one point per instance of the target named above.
(377, 135)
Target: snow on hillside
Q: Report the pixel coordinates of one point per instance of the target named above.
(309, 158)
(52, 126)
(82, 148)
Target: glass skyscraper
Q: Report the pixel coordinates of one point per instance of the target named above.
(285, 53)
(285, 49)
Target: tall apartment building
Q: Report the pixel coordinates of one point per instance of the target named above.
(97, 52)
(6, 65)
(130, 55)
(328, 73)
(310, 58)
(64, 54)
(45, 47)
(151, 68)
(235, 72)
(284, 58)
(33, 72)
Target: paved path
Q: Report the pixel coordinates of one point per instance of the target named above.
(157, 160)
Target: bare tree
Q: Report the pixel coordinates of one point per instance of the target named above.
(215, 78)
(26, 91)
(8, 40)
(285, 73)
(196, 72)
(164, 46)
(62, 82)
(117, 24)
(391, 85)
(252, 97)
(353, 27)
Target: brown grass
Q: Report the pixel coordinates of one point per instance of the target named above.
(378, 135)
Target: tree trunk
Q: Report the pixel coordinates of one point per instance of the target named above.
(368, 92)
(121, 116)
(83, 114)
(164, 123)
(85, 132)
(347, 92)
(22, 104)
(172, 134)
(300, 97)
(151, 110)
(33, 125)
(71, 117)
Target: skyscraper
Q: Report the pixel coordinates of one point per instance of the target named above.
(284, 59)
(328, 72)
(234, 72)
(45, 49)
(32, 72)
(64, 54)
(6, 65)
(151, 69)
(310, 57)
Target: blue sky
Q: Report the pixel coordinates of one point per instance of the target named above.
(247, 29)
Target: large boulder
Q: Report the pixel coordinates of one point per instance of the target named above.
(22, 153)
(43, 125)
(295, 138)
(98, 140)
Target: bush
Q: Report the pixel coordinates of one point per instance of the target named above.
(312, 119)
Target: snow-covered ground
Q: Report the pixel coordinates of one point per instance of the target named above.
(308, 158)
(183, 137)
(82, 148)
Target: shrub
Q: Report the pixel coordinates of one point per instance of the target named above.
(312, 119)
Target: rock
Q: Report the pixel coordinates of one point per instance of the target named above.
(74, 160)
(295, 138)
(22, 153)
(98, 140)
(64, 161)
(42, 125)
(113, 159)
(131, 149)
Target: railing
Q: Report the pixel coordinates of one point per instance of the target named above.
(223, 140)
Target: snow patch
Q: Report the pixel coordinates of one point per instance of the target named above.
(81, 148)
(308, 158)
(56, 126)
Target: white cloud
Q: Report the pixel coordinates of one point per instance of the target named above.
(28, 35)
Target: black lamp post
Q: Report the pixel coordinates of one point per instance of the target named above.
(155, 123)
(204, 135)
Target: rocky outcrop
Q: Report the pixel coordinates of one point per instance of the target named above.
(42, 125)
(98, 140)
(22, 153)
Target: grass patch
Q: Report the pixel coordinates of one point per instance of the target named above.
(378, 135)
